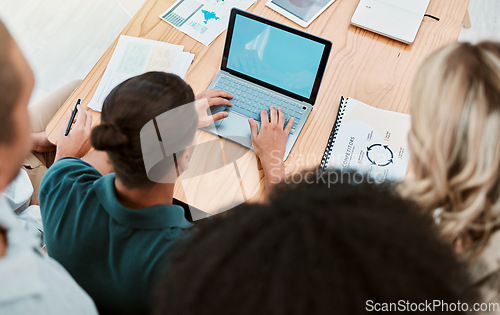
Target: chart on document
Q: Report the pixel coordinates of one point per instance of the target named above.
(203, 20)
(369, 140)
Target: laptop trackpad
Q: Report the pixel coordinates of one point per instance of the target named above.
(236, 128)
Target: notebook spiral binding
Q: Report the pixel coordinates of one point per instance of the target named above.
(333, 134)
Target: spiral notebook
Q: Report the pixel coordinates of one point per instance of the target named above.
(369, 140)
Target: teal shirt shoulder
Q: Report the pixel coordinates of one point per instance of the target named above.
(112, 251)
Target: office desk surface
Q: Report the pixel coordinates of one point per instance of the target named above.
(369, 67)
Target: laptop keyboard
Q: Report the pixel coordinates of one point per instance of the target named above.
(250, 100)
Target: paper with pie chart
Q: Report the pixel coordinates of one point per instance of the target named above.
(202, 20)
(371, 140)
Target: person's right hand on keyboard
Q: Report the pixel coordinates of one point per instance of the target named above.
(269, 144)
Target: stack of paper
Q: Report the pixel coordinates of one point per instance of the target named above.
(134, 56)
(203, 20)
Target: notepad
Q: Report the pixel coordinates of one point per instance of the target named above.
(369, 140)
(397, 19)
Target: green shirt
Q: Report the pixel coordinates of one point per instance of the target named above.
(111, 251)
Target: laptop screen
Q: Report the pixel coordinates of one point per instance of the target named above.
(276, 56)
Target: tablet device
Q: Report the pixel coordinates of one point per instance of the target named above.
(302, 12)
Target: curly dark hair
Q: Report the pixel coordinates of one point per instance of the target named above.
(315, 248)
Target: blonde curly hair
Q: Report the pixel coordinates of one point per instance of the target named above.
(454, 140)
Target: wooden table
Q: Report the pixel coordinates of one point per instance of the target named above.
(371, 68)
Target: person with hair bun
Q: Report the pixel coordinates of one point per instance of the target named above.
(455, 151)
(111, 231)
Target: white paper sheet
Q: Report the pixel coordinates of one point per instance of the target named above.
(134, 56)
(203, 20)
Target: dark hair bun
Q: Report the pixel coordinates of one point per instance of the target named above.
(107, 137)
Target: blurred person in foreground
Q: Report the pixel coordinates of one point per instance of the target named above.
(32, 283)
(314, 248)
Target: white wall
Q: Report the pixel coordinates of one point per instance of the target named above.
(63, 39)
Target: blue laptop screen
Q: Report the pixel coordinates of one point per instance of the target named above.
(275, 56)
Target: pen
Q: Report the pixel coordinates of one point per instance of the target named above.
(73, 114)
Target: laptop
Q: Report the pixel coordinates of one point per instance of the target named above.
(397, 19)
(266, 63)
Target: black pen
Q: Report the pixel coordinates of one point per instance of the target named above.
(72, 117)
